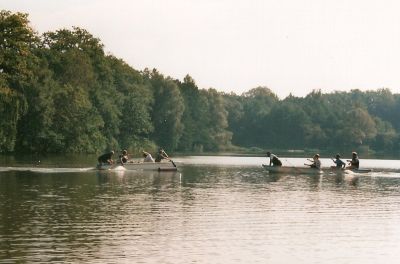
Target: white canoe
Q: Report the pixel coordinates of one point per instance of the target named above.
(132, 165)
(292, 170)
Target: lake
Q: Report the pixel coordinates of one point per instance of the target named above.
(215, 209)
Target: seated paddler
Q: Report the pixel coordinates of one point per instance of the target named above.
(340, 164)
(161, 155)
(106, 158)
(273, 160)
(147, 157)
(354, 162)
(123, 157)
(316, 163)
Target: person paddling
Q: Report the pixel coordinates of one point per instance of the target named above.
(123, 158)
(354, 162)
(339, 163)
(273, 159)
(147, 157)
(106, 158)
(316, 163)
(161, 155)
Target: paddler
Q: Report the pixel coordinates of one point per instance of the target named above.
(273, 160)
(147, 157)
(354, 162)
(106, 158)
(161, 155)
(339, 163)
(123, 158)
(316, 163)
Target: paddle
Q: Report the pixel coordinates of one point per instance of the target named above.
(173, 163)
(165, 155)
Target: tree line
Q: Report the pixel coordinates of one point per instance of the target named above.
(61, 93)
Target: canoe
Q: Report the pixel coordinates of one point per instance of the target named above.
(308, 170)
(134, 165)
(292, 170)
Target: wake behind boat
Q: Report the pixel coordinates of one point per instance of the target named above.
(136, 165)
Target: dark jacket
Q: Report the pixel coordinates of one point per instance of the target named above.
(105, 157)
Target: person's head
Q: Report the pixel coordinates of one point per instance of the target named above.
(354, 154)
(144, 153)
(268, 154)
(337, 156)
(316, 156)
(112, 152)
(124, 152)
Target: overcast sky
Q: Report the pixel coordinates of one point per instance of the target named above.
(290, 46)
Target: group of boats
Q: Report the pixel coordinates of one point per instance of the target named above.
(168, 164)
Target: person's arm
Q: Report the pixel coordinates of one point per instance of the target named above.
(164, 154)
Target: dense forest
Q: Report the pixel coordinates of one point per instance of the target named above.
(61, 93)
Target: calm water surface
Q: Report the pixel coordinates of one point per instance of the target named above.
(213, 210)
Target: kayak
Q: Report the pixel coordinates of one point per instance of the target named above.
(292, 170)
(134, 165)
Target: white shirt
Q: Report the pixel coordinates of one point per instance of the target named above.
(148, 158)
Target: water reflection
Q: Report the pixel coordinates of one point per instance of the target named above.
(200, 214)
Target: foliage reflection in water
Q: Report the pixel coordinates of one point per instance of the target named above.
(201, 214)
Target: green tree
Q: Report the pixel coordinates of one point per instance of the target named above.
(214, 123)
(137, 99)
(190, 139)
(77, 59)
(358, 126)
(257, 104)
(11, 108)
(235, 110)
(16, 62)
(167, 111)
(287, 126)
(77, 122)
(35, 132)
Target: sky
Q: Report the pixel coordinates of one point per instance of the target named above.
(289, 46)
